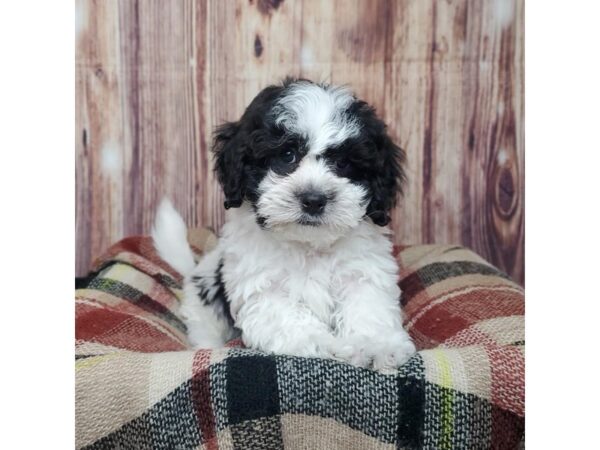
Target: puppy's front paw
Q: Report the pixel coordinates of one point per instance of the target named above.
(393, 352)
(341, 350)
(345, 350)
(380, 352)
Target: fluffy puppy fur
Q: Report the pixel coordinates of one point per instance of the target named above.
(304, 264)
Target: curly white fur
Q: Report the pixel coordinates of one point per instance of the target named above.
(286, 297)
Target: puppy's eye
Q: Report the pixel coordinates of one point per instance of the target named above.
(288, 157)
(342, 163)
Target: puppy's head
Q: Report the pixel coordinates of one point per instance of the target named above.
(311, 160)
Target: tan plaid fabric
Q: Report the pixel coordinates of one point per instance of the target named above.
(138, 385)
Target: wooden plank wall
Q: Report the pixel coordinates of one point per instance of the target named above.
(154, 78)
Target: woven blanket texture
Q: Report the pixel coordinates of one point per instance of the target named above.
(139, 386)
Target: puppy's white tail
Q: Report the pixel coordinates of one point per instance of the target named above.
(170, 239)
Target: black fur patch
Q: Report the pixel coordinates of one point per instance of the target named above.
(211, 291)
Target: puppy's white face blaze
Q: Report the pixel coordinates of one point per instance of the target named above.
(317, 114)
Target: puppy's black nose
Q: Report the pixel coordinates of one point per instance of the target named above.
(313, 202)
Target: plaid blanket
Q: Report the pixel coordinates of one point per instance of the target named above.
(138, 386)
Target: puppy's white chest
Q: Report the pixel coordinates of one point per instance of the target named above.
(308, 280)
(259, 268)
(313, 284)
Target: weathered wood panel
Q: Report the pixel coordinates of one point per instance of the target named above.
(154, 78)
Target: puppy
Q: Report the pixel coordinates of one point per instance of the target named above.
(304, 264)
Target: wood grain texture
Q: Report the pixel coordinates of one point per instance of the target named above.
(154, 78)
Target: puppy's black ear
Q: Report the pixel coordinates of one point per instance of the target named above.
(389, 177)
(230, 150)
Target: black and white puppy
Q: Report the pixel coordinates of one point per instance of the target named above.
(304, 264)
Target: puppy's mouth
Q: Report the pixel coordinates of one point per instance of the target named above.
(310, 221)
